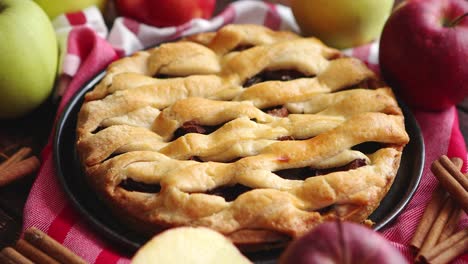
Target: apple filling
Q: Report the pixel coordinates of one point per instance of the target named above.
(279, 111)
(230, 193)
(306, 172)
(134, 186)
(278, 75)
(242, 47)
(285, 138)
(165, 76)
(326, 209)
(368, 147)
(193, 127)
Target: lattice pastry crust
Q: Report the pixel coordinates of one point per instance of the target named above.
(260, 135)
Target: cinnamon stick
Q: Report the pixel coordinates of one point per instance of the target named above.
(454, 171)
(437, 226)
(3, 155)
(448, 249)
(51, 247)
(451, 224)
(34, 254)
(431, 213)
(428, 218)
(19, 155)
(16, 257)
(450, 184)
(18, 170)
(457, 162)
(5, 259)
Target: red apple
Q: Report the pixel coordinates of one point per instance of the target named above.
(424, 52)
(345, 242)
(164, 13)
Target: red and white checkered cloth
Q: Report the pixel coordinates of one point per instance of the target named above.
(87, 47)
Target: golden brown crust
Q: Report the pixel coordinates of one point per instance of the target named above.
(129, 131)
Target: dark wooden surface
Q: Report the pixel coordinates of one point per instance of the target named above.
(32, 131)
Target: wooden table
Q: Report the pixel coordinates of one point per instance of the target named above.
(33, 131)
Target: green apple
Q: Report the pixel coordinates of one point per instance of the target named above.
(53, 8)
(342, 23)
(189, 245)
(28, 57)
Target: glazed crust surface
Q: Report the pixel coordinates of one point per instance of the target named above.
(129, 130)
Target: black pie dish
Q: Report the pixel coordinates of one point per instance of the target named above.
(100, 217)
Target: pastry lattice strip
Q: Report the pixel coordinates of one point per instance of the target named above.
(131, 88)
(234, 178)
(257, 172)
(295, 126)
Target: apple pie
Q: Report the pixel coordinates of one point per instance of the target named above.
(258, 134)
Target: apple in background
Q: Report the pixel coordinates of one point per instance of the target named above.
(424, 52)
(165, 13)
(189, 245)
(28, 57)
(53, 8)
(341, 242)
(342, 23)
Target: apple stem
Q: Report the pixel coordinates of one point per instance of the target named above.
(457, 20)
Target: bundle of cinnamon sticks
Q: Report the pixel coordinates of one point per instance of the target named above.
(17, 166)
(38, 247)
(437, 239)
